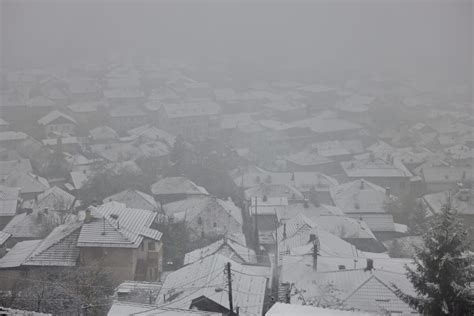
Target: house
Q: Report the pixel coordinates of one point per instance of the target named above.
(274, 190)
(311, 160)
(87, 114)
(31, 185)
(53, 199)
(57, 250)
(311, 184)
(124, 96)
(206, 216)
(367, 201)
(192, 120)
(103, 134)
(64, 144)
(355, 108)
(333, 220)
(281, 309)
(146, 133)
(9, 201)
(199, 285)
(135, 199)
(35, 224)
(370, 288)
(10, 139)
(123, 118)
(122, 239)
(83, 88)
(285, 110)
(57, 123)
(444, 178)
(226, 247)
(265, 215)
(115, 152)
(138, 292)
(390, 174)
(172, 189)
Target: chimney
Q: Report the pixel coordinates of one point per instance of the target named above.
(370, 265)
(387, 191)
(284, 231)
(88, 218)
(315, 256)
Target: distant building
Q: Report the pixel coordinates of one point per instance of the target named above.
(58, 123)
(192, 120)
(444, 178)
(135, 199)
(172, 189)
(390, 174)
(123, 118)
(367, 202)
(206, 217)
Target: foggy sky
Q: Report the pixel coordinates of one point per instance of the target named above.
(404, 35)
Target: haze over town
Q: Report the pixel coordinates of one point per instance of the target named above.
(236, 157)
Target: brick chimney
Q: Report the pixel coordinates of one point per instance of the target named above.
(370, 265)
(315, 255)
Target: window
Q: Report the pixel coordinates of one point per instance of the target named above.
(151, 246)
(142, 247)
(215, 224)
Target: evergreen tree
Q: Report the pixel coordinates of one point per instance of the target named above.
(443, 269)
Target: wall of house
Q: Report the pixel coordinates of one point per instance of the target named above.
(64, 128)
(8, 278)
(150, 257)
(121, 261)
(212, 224)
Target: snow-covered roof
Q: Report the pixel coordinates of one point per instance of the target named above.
(190, 109)
(11, 136)
(134, 199)
(115, 225)
(366, 168)
(103, 133)
(193, 206)
(52, 116)
(18, 254)
(226, 247)
(8, 200)
(54, 199)
(177, 185)
(280, 309)
(58, 248)
(368, 290)
(359, 196)
(204, 278)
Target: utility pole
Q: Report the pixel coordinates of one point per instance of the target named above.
(229, 284)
